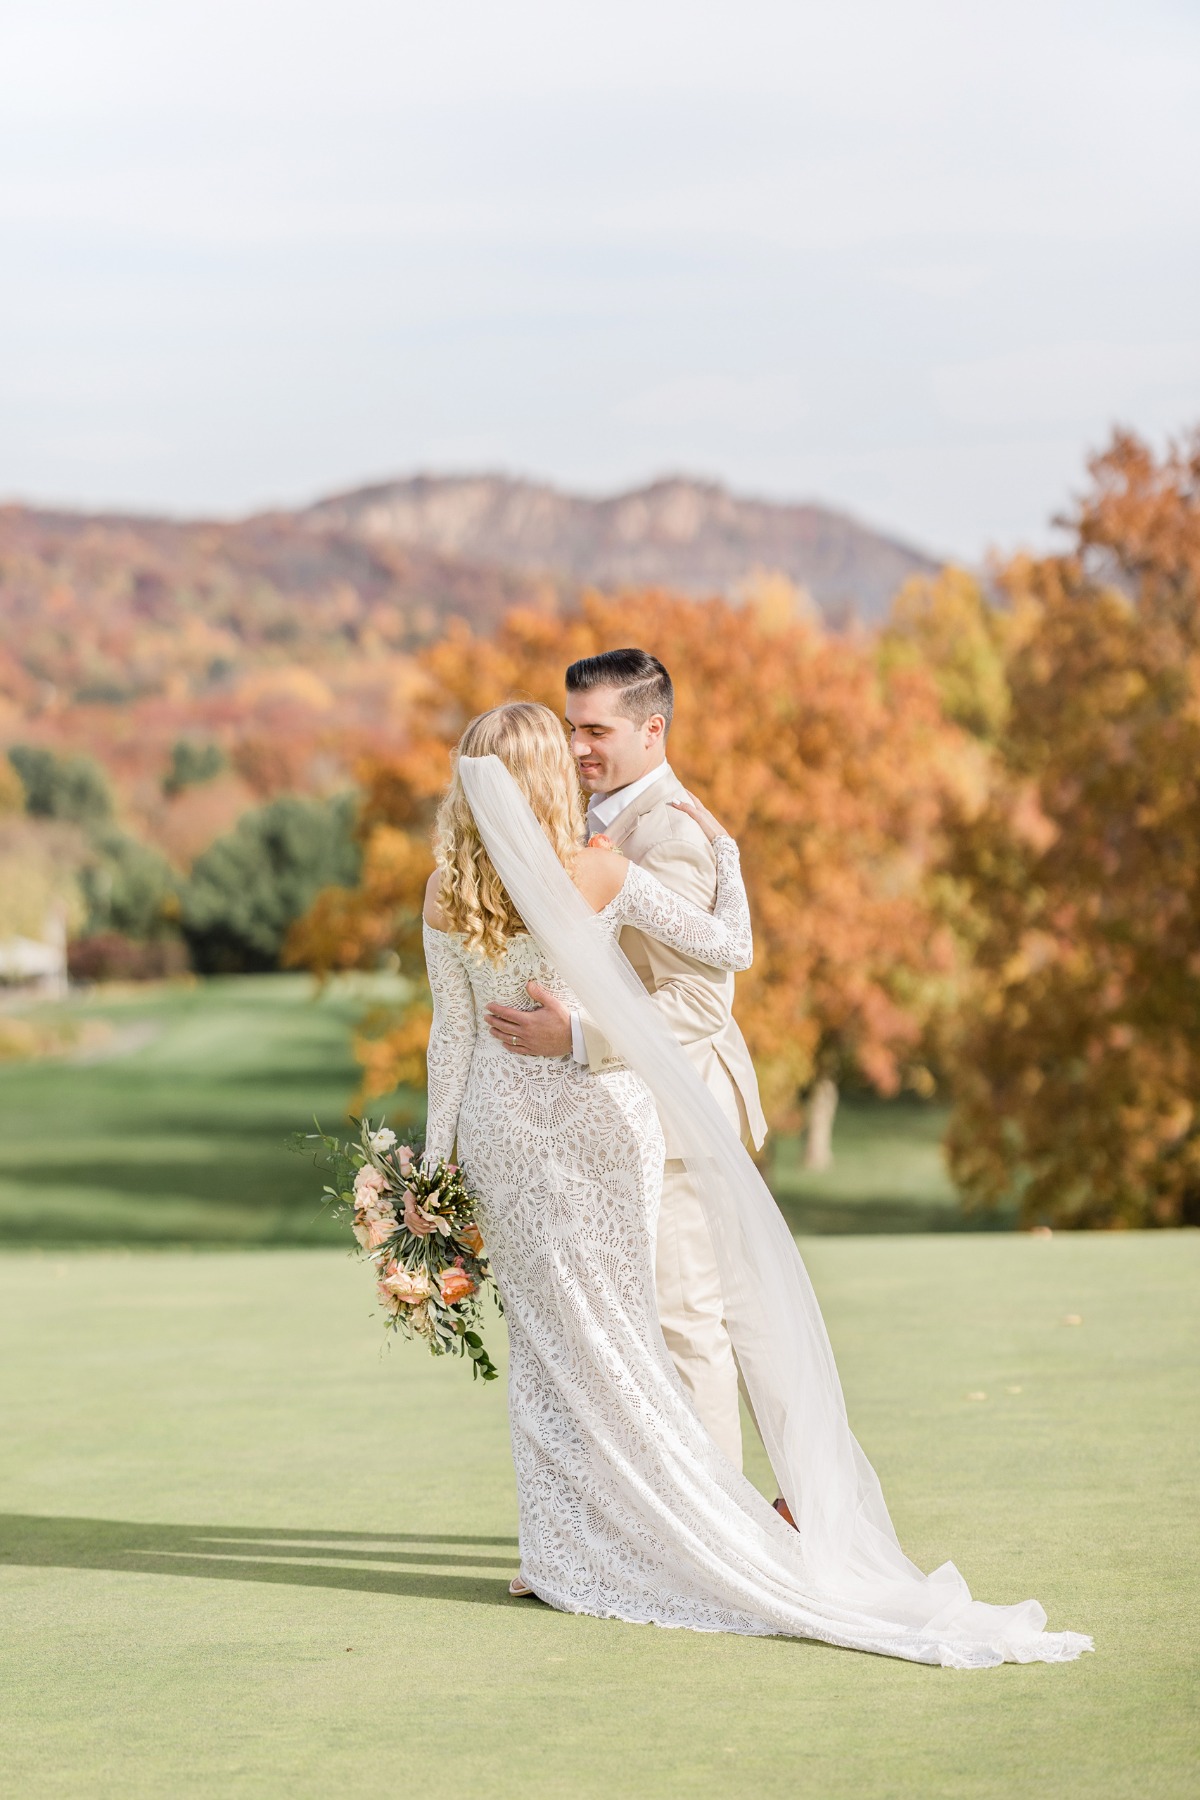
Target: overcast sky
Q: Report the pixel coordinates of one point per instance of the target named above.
(911, 259)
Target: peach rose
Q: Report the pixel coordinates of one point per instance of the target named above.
(404, 1287)
(455, 1284)
(471, 1238)
(598, 841)
(368, 1185)
(389, 1301)
(372, 1228)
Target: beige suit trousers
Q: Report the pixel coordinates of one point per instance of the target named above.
(692, 1312)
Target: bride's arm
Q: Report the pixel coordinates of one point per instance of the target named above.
(451, 1040)
(722, 937)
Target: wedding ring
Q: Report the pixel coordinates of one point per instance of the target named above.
(512, 1040)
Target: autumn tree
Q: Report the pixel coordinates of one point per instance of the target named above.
(1076, 1062)
(833, 772)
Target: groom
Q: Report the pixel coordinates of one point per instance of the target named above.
(619, 712)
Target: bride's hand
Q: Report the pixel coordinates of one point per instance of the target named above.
(711, 827)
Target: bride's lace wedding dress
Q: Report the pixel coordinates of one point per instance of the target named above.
(628, 1510)
(621, 1491)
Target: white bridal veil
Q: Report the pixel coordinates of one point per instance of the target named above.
(853, 1558)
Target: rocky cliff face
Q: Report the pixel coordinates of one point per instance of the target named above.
(692, 536)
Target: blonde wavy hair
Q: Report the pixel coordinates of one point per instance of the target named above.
(531, 743)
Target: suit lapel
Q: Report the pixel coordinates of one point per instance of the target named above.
(667, 787)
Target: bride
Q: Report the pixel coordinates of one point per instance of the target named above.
(628, 1510)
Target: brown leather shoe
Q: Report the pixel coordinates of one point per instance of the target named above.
(785, 1512)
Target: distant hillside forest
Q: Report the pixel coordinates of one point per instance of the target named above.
(106, 609)
(282, 647)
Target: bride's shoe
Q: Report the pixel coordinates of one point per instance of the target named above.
(518, 1588)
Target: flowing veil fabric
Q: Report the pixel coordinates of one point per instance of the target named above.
(852, 1556)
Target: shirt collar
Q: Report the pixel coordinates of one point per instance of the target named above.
(604, 808)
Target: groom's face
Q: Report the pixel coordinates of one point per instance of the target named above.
(609, 748)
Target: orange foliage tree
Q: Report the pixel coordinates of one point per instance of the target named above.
(833, 772)
(1076, 1060)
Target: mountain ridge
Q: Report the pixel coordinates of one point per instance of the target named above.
(102, 607)
(680, 532)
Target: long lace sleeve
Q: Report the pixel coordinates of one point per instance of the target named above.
(722, 937)
(451, 1040)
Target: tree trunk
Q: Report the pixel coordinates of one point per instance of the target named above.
(818, 1137)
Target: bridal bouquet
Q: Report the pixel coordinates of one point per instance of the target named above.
(416, 1226)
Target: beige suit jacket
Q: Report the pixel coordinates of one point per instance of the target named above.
(695, 1001)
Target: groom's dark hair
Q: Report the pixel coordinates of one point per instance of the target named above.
(644, 683)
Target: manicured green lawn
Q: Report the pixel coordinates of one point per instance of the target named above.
(171, 1132)
(244, 1554)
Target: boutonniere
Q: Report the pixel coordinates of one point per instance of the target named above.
(598, 841)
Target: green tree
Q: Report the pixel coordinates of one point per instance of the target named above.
(247, 889)
(72, 788)
(128, 887)
(192, 762)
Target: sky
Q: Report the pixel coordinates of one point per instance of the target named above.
(913, 261)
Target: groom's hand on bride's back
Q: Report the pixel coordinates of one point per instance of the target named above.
(546, 1031)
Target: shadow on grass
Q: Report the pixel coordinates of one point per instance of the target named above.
(281, 1558)
(255, 1183)
(812, 1215)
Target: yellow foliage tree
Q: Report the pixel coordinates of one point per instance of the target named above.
(12, 791)
(946, 624)
(40, 861)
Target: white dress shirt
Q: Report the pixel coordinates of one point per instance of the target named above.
(604, 808)
(601, 812)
